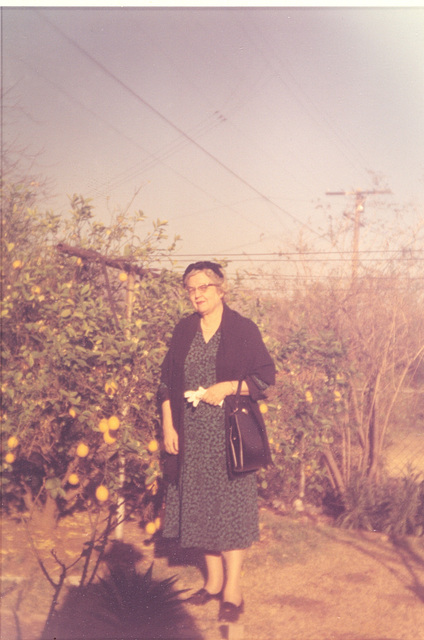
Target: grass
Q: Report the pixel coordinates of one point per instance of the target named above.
(288, 540)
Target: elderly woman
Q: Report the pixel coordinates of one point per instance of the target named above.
(206, 507)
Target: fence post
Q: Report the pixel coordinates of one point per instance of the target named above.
(129, 301)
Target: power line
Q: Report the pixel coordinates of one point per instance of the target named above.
(306, 288)
(289, 253)
(159, 115)
(305, 106)
(302, 260)
(166, 152)
(153, 157)
(299, 259)
(322, 278)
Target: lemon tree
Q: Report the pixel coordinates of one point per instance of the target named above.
(79, 377)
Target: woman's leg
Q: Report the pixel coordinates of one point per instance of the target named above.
(233, 566)
(215, 572)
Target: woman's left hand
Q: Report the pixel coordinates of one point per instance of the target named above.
(216, 393)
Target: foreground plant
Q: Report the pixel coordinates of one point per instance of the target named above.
(124, 604)
(394, 507)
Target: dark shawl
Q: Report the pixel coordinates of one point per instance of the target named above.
(241, 355)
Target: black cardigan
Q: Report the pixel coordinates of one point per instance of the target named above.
(241, 355)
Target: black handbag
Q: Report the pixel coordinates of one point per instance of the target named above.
(247, 451)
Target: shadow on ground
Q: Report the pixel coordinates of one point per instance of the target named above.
(411, 560)
(123, 605)
(176, 556)
(404, 552)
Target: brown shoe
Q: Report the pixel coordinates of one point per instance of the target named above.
(202, 597)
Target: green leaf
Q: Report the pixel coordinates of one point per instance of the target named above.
(52, 484)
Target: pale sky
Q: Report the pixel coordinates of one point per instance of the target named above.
(230, 123)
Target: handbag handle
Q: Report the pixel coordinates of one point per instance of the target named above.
(238, 392)
(237, 395)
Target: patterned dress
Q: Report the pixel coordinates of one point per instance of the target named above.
(208, 510)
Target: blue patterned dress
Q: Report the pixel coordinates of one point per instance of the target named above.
(208, 510)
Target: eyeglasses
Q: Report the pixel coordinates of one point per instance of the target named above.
(202, 289)
(205, 264)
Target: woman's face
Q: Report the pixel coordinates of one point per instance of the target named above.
(205, 299)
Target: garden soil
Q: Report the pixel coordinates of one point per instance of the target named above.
(304, 580)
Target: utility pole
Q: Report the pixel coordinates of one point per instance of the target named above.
(360, 197)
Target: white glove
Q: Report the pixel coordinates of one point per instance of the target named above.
(196, 396)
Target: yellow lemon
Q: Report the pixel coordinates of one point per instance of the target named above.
(113, 423)
(17, 264)
(103, 425)
(82, 450)
(73, 479)
(13, 442)
(108, 438)
(10, 458)
(153, 446)
(263, 408)
(111, 387)
(102, 493)
(123, 276)
(72, 412)
(150, 528)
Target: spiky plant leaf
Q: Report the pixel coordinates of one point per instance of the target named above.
(134, 602)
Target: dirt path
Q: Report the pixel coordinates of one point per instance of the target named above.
(303, 581)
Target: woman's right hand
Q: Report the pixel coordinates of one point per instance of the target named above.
(170, 436)
(170, 440)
